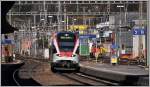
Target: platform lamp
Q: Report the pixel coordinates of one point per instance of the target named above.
(43, 36)
(120, 23)
(50, 17)
(34, 27)
(74, 20)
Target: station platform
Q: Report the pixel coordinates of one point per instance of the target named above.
(124, 74)
(11, 65)
(7, 70)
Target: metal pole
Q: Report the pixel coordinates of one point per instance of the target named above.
(84, 21)
(140, 24)
(120, 34)
(34, 16)
(58, 15)
(43, 43)
(126, 9)
(65, 19)
(89, 23)
(120, 23)
(10, 18)
(77, 7)
(96, 52)
(44, 28)
(73, 24)
(45, 15)
(29, 37)
(148, 34)
(67, 22)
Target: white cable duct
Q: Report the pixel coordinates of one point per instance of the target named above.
(56, 45)
(76, 46)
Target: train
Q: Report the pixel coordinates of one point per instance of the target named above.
(64, 50)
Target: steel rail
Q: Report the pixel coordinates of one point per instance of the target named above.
(89, 80)
(29, 72)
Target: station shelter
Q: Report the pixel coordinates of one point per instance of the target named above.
(7, 45)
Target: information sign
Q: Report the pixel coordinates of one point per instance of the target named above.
(88, 36)
(139, 31)
(6, 41)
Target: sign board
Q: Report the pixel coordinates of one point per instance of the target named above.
(114, 46)
(6, 41)
(88, 36)
(113, 59)
(84, 47)
(139, 31)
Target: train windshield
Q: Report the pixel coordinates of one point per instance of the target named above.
(66, 41)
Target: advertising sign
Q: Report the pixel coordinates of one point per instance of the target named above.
(84, 47)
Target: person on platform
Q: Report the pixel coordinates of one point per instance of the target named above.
(7, 55)
(102, 53)
(93, 51)
(97, 53)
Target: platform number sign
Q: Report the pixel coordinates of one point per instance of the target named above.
(135, 32)
(142, 32)
(139, 32)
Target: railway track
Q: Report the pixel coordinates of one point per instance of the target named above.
(88, 80)
(31, 66)
(26, 71)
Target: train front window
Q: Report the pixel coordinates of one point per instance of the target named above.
(66, 41)
(66, 46)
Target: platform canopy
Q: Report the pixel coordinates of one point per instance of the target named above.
(6, 27)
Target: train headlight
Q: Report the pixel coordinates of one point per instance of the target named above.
(73, 55)
(58, 55)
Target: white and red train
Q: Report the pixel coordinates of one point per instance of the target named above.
(64, 51)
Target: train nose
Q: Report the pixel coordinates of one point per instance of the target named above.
(68, 65)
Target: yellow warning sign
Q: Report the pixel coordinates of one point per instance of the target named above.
(79, 27)
(113, 60)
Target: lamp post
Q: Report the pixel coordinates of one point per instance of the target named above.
(120, 23)
(43, 35)
(51, 27)
(63, 23)
(35, 52)
(50, 24)
(74, 23)
(84, 21)
(50, 19)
